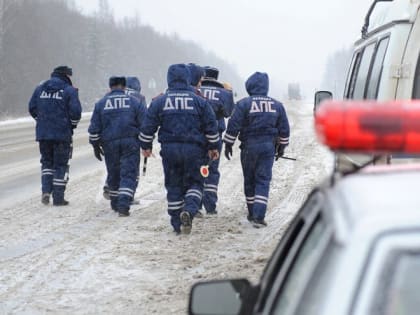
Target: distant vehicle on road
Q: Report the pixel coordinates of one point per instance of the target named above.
(293, 91)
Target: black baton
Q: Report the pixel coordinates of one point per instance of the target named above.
(287, 158)
(144, 165)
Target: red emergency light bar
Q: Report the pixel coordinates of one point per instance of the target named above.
(369, 127)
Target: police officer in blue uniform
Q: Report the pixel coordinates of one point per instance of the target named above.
(113, 132)
(133, 88)
(263, 129)
(222, 103)
(187, 133)
(56, 108)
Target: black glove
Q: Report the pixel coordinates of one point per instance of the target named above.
(279, 151)
(228, 150)
(98, 151)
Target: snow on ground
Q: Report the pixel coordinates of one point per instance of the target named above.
(24, 120)
(84, 259)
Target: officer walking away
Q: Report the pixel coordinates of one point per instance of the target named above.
(56, 108)
(221, 100)
(187, 133)
(263, 129)
(113, 132)
(133, 88)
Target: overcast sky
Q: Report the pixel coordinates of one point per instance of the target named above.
(288, 39)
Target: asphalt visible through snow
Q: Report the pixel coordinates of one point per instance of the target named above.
(20, 160)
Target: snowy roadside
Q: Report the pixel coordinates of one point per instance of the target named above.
(25, 120)
(85, 260)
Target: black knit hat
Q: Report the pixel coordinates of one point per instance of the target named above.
(114, 81)
(63, 70)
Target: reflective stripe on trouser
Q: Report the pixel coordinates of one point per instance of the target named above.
(210, 185)
(122, 158)
(55, 156)
(257, 163)
(174, 210)
(137, 178)
(183, 181)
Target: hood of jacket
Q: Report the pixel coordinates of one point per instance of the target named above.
(257, 84)
(133, 83)
(196, 72)
(179, 77)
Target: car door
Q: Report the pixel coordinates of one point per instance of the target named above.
(287, 250)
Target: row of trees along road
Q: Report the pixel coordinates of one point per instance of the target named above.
(36, 36)
(336, 69)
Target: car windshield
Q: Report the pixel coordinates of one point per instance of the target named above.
(399, 291)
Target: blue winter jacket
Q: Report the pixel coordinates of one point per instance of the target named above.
(133, 88)
(220, 99)
(56, 108)
(116, 116)
(258, 118)
(182, 115)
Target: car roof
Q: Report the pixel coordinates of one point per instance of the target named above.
(397, 10)
(377, 199)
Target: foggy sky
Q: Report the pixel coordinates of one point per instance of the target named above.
(290, 40)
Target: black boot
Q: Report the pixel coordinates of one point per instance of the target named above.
(123, 213)
(259, 223)
(45, 199)
(61, 203)
(186, 222)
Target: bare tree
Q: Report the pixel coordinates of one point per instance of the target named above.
(6, 20)
(336, 70)
(36, 36)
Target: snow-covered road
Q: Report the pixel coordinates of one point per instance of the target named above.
(19, 159)
(84, 259)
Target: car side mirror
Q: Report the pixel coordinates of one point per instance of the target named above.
(221, 297)
(321, 96)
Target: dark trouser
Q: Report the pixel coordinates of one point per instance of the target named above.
(183, 180)
(55, 156)
(122, 158)
(211, 183)
(257, 163)
(137, 179)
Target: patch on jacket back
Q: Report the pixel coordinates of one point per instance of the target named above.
(178, 101)
(117, 102)
(261, 105)
(56, 95)
(211, 93)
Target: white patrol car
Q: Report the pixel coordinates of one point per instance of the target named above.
(354, 246)
(385, 64)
